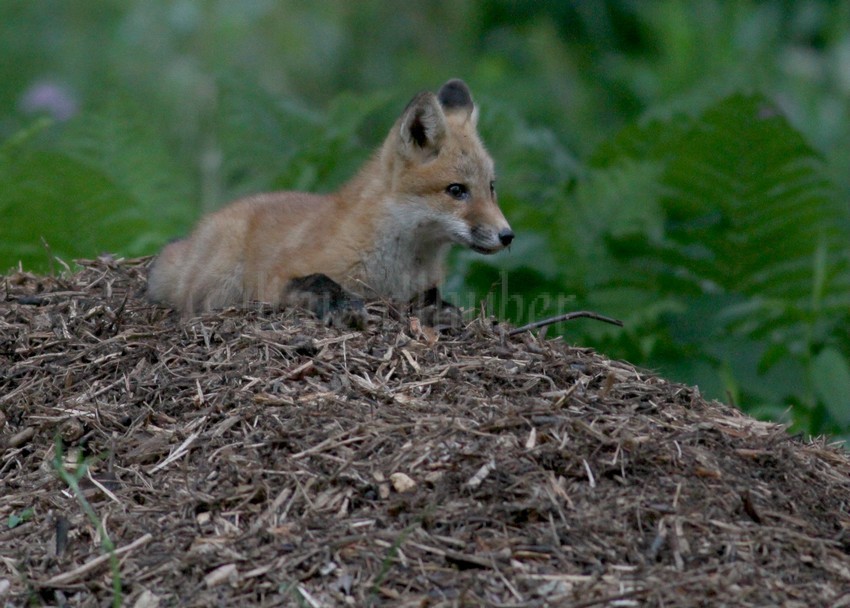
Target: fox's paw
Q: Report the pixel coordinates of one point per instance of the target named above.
(326, 299)
(445, 318)
(351, 314)
(435, 312)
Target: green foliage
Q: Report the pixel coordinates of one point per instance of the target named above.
(50, 200)
(748, 211)
(753, 252)
(128, 145)
(16, 519)
(831, 379)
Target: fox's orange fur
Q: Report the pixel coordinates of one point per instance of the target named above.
(385, 233)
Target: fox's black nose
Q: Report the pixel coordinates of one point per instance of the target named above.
(506, 236)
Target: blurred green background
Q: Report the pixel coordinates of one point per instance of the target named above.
(683, 166)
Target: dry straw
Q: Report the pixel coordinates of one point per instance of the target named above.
(258, 458)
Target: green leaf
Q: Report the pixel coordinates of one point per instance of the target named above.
(830, 373)
(77, 210)
(772, 355)
(732, 214)
(744, 184)
(16, 520)
(747, 209)
(126, 144)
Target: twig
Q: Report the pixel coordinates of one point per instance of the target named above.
(66, 577)
(182, 449)
(330, 441)
(566, 317)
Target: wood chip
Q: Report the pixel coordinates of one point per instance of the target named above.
(402, 483)
(223, 574)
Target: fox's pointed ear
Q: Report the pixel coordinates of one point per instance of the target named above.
(423, 126)
(455, 96)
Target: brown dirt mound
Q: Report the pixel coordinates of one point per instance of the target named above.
(258, 458)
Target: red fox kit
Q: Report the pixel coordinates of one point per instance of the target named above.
(384, 234)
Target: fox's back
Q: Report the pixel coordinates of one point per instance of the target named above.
(250, 249)
(294, 234)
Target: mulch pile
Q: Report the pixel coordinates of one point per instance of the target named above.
(259, 458)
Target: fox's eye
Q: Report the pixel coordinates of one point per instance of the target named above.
(458, 191)
(492, 187)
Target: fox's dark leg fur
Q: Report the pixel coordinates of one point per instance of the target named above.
(327, 299)
(433, 310)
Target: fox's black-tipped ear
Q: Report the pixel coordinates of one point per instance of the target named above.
(455, 95)
(423, 125)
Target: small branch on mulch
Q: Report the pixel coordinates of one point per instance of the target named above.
(66, 577)
(566, 317)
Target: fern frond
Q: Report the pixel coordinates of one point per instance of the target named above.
(748, 206)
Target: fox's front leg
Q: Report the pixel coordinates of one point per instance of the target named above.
(433, 310)
(326, 298)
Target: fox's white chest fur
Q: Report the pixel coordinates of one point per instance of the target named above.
(410, 250)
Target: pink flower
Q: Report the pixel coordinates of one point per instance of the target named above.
(49, 97)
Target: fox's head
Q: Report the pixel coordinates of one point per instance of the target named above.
(444, 173)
